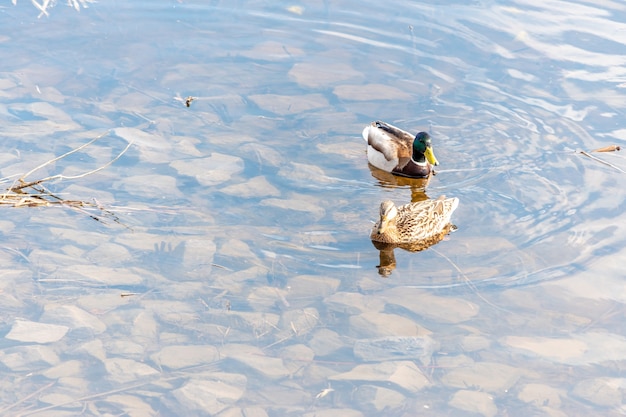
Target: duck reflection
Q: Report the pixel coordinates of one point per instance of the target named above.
(413, 227)
(388, 180)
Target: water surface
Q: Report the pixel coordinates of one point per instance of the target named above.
(241, 278)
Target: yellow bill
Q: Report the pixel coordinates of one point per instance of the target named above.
(430, 156)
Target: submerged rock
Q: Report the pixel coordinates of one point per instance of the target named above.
(404, 374)
(474, 402)
(605, 392)
(31, 331)
(213, 393)
(395, 348)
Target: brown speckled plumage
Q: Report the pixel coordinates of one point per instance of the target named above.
(414, 225)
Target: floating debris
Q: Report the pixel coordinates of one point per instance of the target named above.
(26, 193)
(324, 392)
(610, 148)
(187, 100)
(296, 10)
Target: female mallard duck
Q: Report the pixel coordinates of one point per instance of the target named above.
(394, 150)
(414, 225)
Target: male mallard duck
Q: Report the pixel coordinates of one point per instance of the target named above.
(414, 225)
(394, 150)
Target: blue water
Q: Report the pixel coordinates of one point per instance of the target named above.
(242, 214)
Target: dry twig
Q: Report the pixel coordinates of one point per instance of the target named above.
(609, 148)
(32, 193)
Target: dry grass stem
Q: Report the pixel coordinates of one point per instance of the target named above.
(595, 158)
(32, 193)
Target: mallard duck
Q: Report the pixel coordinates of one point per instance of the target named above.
(414, 226)
(394, 150)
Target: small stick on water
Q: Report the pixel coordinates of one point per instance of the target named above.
(26, 193)
(610, 148)
(222, 267)
(63, 156)
(588, 155)
(66, 177)
(28, 397)
(128, 294)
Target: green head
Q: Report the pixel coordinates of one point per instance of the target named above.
(422, 147)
